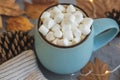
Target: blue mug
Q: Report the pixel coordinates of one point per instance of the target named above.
(66, 60)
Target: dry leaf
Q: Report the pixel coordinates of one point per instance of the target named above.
(98, 67)
(19, 23)
(99, 6)
(1, 25)
(10, 5)
(10, 8)
(7, 1)
(34, 10)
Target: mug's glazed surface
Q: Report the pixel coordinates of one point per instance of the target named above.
(71, 59)
(60, 60)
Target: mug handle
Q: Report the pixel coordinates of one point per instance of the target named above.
(105, 29)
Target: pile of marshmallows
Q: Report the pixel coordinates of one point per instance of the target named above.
(65, 25)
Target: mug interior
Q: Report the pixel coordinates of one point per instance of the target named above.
(74, 45)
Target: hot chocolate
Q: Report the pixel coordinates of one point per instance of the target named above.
(65, 25)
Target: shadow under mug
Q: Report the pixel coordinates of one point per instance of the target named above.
(69, 60)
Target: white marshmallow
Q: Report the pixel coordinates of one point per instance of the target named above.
(50, 36)
(58, 18)
(77, 33)
(43, 30)
(56, 30)
(56, 11)
(74, 25)
(45, 15)
(66, 27)
(85, 25)
(82, 26)
(87, 21)
(62, 8)
(84, 29)
(69, 18)
(78, 16)
(52, 14)
(68, 35)
(64, 42)
(56, 27)
(55, 41)
(76, 40)
(49, 23)
(71, 8)
(58, 34)
(83, 37)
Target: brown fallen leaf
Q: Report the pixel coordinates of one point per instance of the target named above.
(100, 7)
(1, 25)
(19, 23)
(10, 5)
(34, 10)
(98, 67)
(10, 8)
(7, 1)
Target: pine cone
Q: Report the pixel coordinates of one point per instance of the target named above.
(114, 14)
(13, 43)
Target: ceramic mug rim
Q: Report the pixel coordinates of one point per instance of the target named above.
(39, 23)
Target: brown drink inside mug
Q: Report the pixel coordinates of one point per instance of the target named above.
(61, 25)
